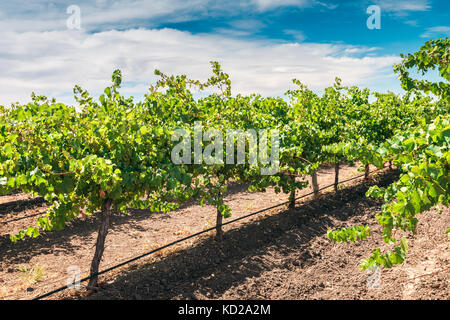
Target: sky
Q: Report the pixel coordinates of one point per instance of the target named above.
(47, 47)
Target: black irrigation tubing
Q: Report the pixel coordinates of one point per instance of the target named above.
(190, 237)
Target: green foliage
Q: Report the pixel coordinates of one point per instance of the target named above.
(433, 54)
(119, 150)
(388, 259)
(423, 154)
(78, 160)
(354, 233)
(415, 136)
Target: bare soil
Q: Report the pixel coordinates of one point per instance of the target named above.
(279, 254)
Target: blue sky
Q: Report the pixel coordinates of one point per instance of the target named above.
(262, 44)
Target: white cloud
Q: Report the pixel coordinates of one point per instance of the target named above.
(412, 23)
(241, 28)
(360, 50)
(51, 63)
(298, 35)
(265, 5)
(232, 32)
(435, 31)
(38, 15)
(247, 24)
(402, 7)
(330, 6)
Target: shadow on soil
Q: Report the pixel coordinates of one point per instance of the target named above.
(24, 250)
(19, 205)
(209, 268)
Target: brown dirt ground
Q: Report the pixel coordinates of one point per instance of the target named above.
(280, 254)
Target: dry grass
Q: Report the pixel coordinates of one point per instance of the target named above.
(31, 275)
